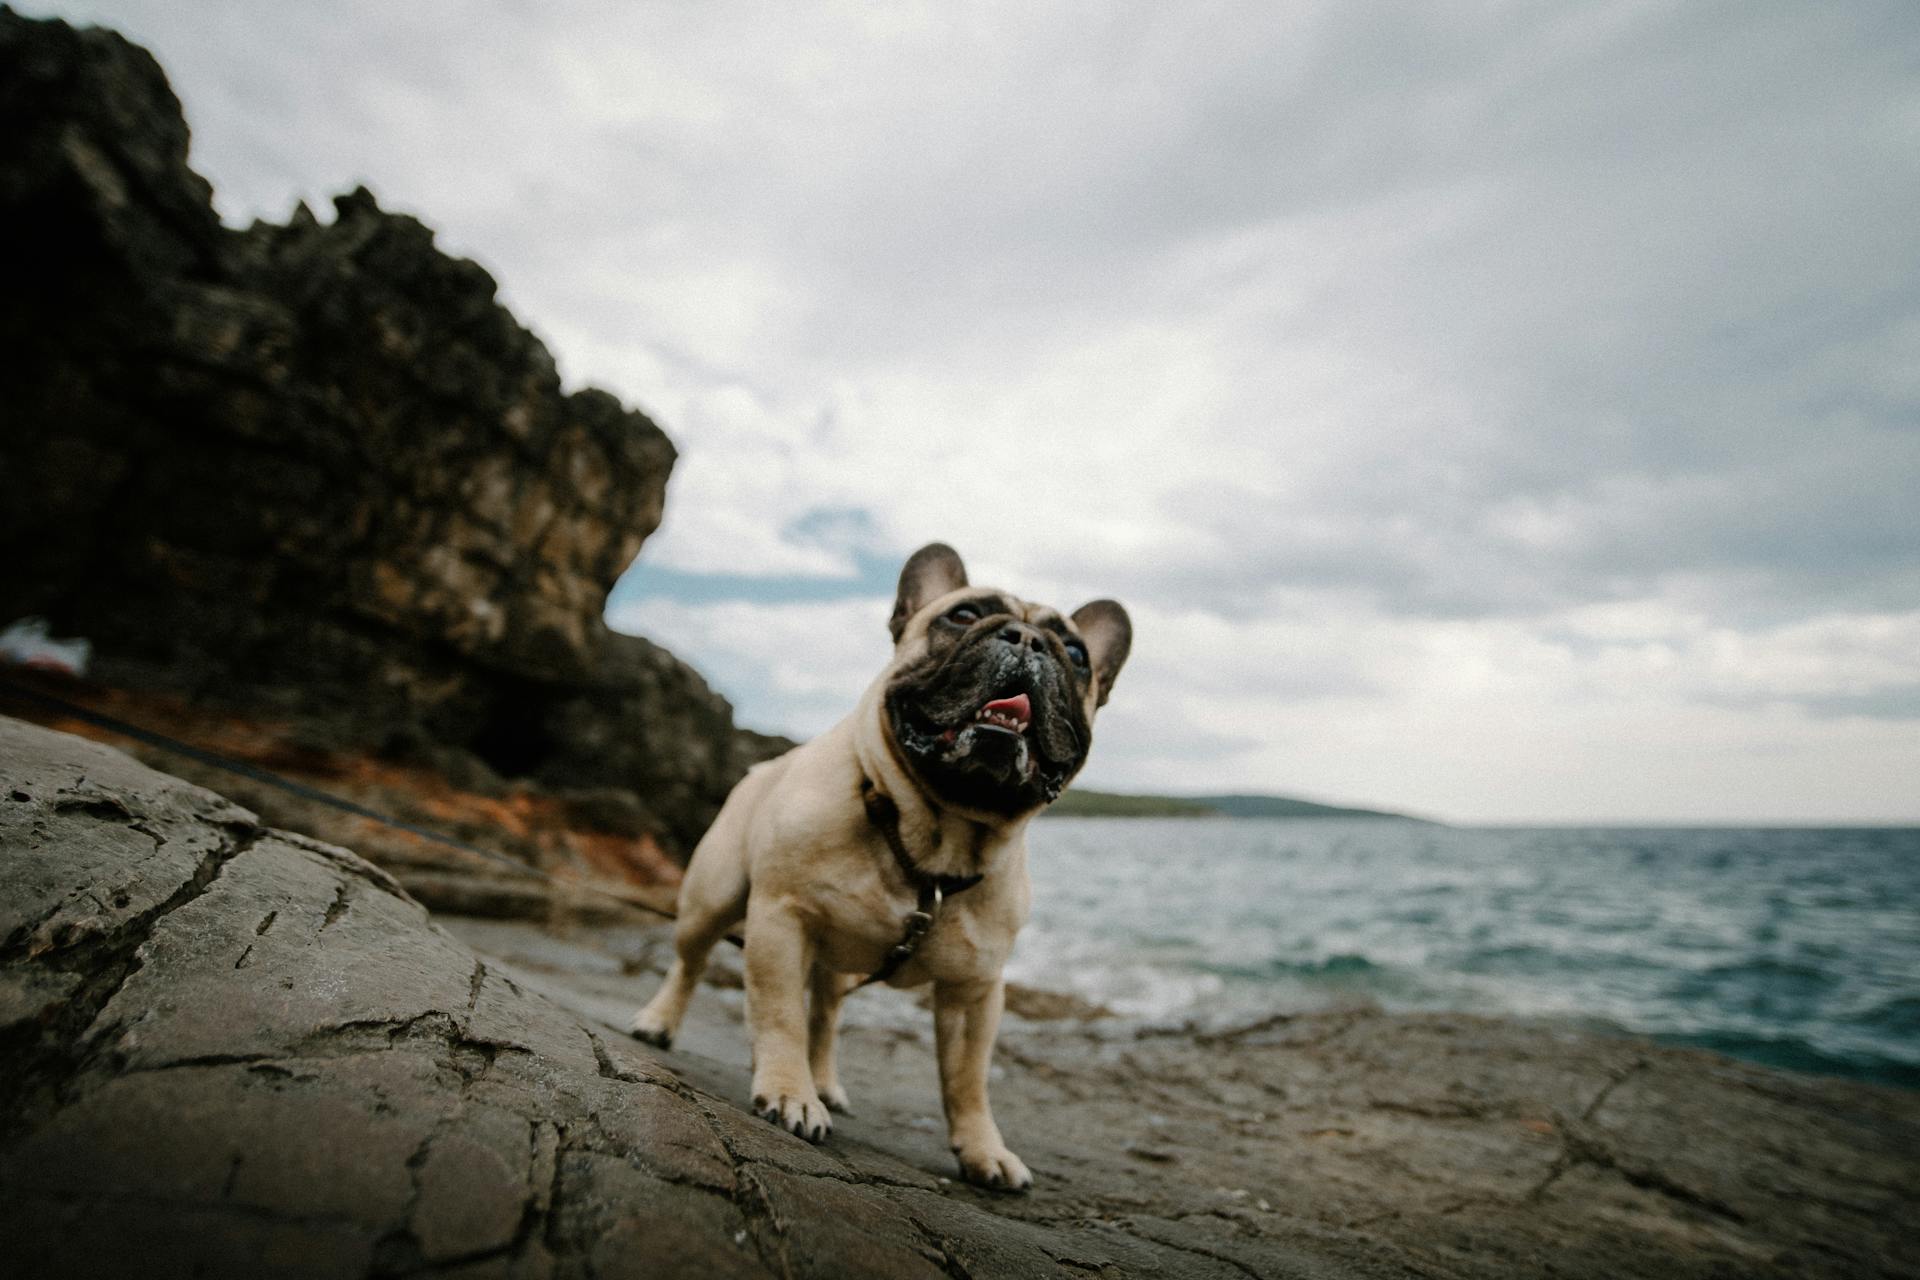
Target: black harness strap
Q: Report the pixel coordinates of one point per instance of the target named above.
(932, 890)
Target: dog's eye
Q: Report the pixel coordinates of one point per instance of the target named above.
(1078, 653)
(964, 614)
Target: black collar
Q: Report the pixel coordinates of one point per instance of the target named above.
(885, 816)
(931, 890)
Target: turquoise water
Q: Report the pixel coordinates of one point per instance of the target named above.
(1794, 947)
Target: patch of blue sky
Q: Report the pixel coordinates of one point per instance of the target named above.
(850, 533)
(874, 576)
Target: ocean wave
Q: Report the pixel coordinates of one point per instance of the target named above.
(1775, 946)
(1899, 1016)
(1343, 965)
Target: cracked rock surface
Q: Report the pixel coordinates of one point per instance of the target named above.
(230, 1051)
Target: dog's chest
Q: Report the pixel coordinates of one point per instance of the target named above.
(963, 943)
(959, 947)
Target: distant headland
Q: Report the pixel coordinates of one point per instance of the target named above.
(1077, 803)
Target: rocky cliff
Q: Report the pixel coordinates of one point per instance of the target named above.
(316, 474)
(230, 1051)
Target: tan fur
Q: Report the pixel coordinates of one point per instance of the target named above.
(794, 855)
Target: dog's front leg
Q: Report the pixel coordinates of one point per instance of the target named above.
(779, 958)
(966, 1017)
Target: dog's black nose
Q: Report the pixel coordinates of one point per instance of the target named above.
(1022, 636)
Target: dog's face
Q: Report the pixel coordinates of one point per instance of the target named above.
(989, 699)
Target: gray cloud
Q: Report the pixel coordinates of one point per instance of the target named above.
(1422, 313)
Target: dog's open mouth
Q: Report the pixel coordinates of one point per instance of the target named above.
(1012, 715)
(1001, 741)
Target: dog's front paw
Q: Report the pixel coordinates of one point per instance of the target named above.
(801, 1114)
(835, 1097)
(993, 1166)
(647, 1026)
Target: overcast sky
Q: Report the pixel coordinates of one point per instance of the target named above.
(1500, 411)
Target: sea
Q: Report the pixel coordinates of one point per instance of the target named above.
(1794, 947)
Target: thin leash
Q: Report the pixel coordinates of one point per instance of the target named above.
(932, 891)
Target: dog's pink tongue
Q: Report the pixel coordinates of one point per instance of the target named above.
(1017, 706)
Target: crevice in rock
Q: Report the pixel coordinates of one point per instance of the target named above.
(95, 804)
(202, 1061)
(604, 1060)
(42, 1061)
(338, 907)
(445, 1041)
(1582, 1149)
(1199, 1252)
(749, 1195)
(467, 1055)
(475, 981)
(550, 1218)
(532, 1212)
(942, 1250)
(266, 923)
(19, 944)
(398, 1252)
(1619, 1078)
(1554, 1173)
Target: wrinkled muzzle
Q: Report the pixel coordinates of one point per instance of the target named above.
(990, 726)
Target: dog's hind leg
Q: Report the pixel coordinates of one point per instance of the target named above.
(710, 904)
(825, 993)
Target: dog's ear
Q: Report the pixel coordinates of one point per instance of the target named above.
(1104, 625)
(933, 570)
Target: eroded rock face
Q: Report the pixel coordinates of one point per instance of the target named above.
(314, 470)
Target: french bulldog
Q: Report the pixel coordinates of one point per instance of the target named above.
(893, 848)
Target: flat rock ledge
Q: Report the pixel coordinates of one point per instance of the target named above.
(227, 1050)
